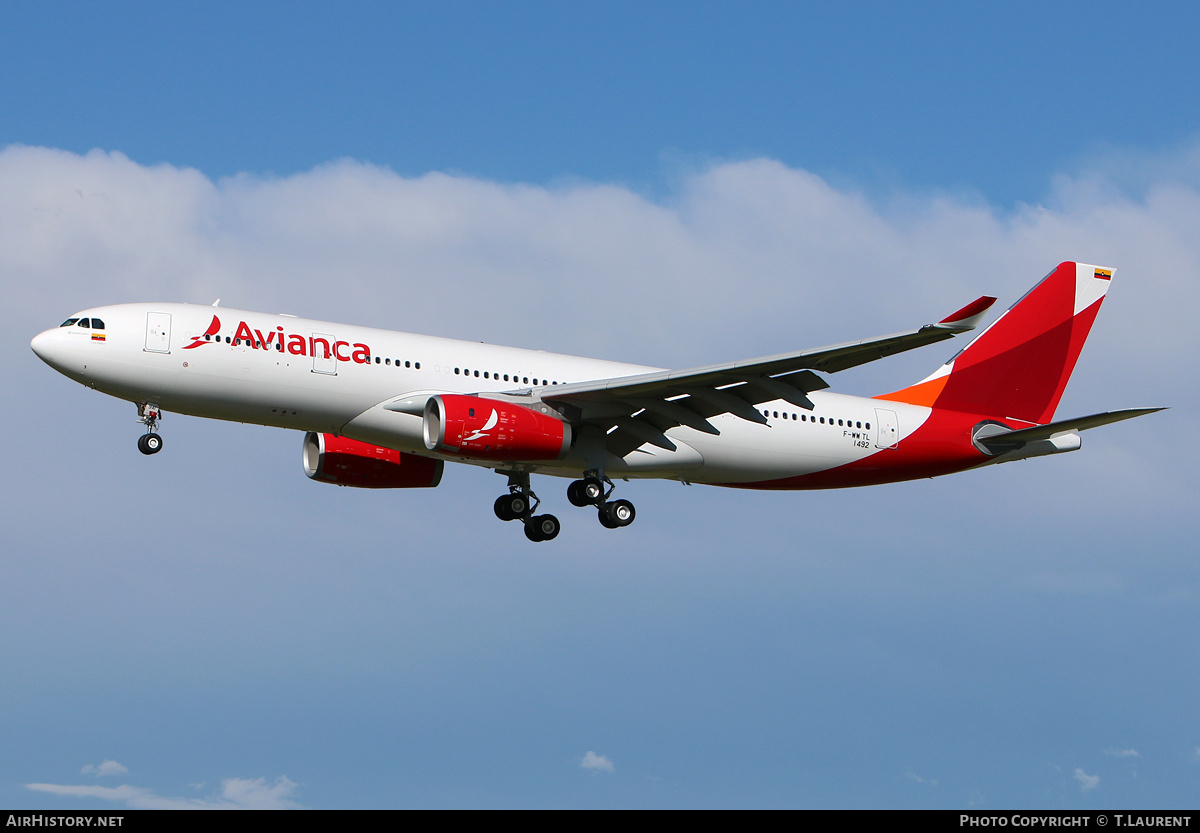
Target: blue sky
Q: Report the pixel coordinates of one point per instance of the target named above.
(673, 185)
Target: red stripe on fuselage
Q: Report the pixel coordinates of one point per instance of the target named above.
(941, 445)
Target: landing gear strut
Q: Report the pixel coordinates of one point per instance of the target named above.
(149, 415)
(591, 491)
(520, 504)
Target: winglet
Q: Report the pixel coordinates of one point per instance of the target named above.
(969, 316)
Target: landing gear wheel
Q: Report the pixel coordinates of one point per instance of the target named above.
(576, 495)
(618, 513)
(501, 508)
(605, 521)
(593, 489)
(149, 443)
(586, 492)
(542, 528)
(510, 507)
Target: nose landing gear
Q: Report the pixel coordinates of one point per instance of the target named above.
(149, 415)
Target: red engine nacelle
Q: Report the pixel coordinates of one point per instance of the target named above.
(488, 429)
(333, 459)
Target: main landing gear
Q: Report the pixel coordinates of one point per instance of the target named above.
(149, 415)
(520, 503)
(591, 491)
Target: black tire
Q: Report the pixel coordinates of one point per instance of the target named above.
(576, 494)
(510, 507)
(149, 443)
(605, 521)
(620, 512)
(501, 508)
(542, 528)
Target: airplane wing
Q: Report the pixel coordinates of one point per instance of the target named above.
(642, 407)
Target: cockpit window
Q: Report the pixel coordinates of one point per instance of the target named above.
(68, 322)
(83, 322)
(97, 324)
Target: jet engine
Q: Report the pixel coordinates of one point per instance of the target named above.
(329, 458)
(489, 429)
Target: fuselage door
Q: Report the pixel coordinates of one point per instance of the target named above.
(889, 428)
(323, 354)
(158, 332)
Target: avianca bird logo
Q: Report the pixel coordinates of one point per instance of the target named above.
(487, 426)
(213, 329)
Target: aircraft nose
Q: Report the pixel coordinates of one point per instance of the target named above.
(47, 346)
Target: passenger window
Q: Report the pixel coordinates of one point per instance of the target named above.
(418, 365)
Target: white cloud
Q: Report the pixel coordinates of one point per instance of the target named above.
(107, 767)
(741, 259)
(741, 248)
(597, 763)
(236, 794)
(1087, 783)
(1122, 753)
(912, 776)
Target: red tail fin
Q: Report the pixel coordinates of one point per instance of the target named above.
(1019, 366)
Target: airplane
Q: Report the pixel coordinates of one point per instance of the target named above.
(384, 409)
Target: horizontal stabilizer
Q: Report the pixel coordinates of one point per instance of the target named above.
(1009, 439)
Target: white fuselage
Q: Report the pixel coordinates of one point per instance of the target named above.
(290, 372)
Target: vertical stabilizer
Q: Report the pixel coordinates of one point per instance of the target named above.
(1019, 366)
